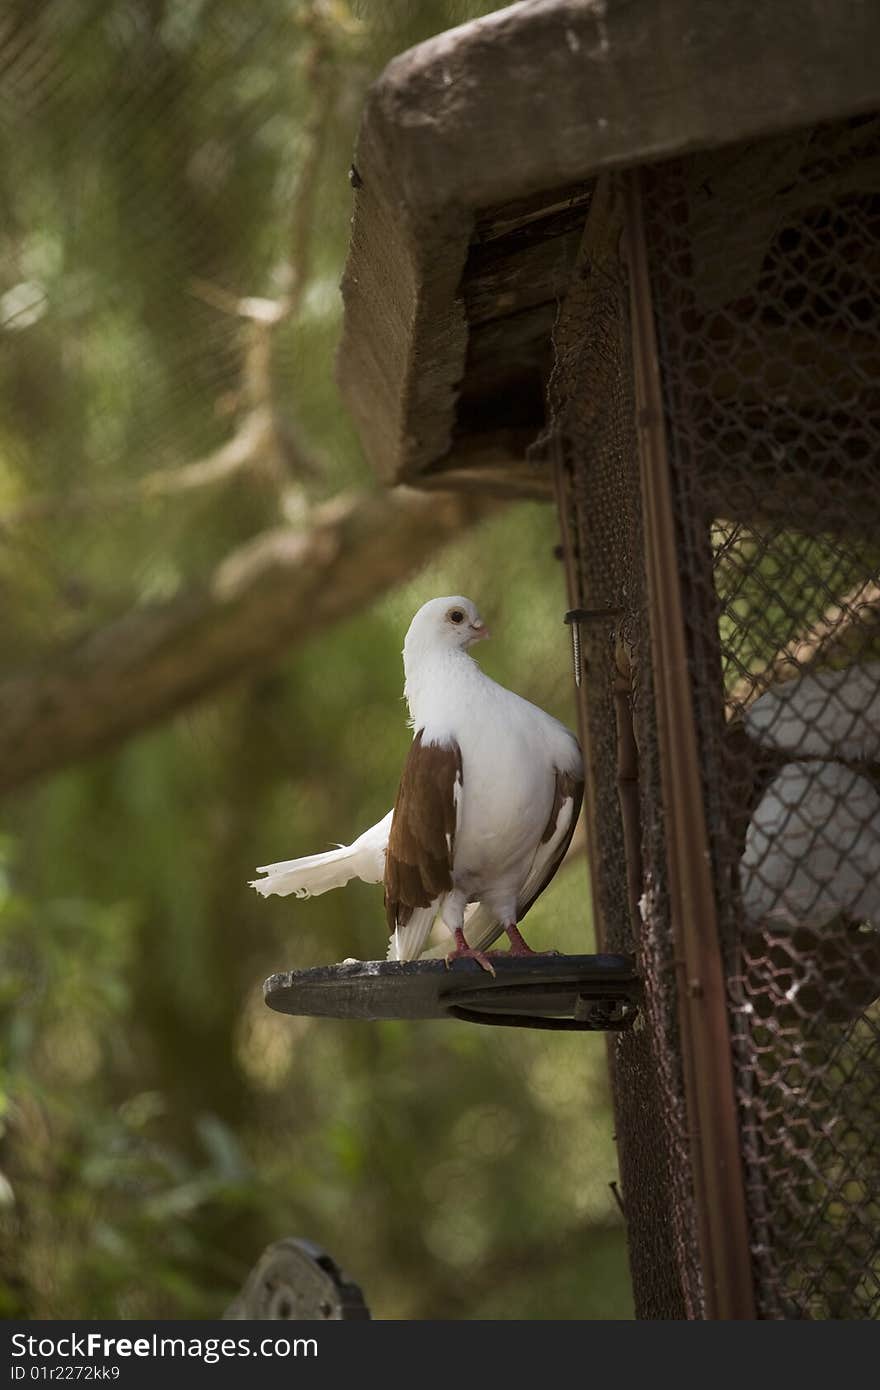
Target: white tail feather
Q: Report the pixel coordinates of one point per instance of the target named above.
(407, 943)
(481, 930)
(318, 873)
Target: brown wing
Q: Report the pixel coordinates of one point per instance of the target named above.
(418, 864)
(544, 867)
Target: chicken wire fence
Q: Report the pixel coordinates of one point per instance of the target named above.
(764, 274)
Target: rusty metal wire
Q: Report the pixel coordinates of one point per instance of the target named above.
(765, 276)
(594, 429)
(764, 264)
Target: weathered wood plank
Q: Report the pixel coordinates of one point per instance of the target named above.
(405, 334)
(504, 218)
(544, 93)
(502, 123)
(523, 268)
(492, 462)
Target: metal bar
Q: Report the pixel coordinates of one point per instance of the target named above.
(574, 617)
(547, 1022)
(592, 615)
(715, 1144)
(564, 500)
(628, 793)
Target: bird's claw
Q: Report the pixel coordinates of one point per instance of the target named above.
(469, 953)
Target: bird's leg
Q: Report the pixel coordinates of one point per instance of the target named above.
(465, 952)
(520, 947)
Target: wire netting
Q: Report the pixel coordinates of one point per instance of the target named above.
(765, 278)
(765, 275)
(592, 408)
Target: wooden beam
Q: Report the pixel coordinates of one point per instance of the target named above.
(504, 122)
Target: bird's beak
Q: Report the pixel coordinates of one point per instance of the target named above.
(480, 631)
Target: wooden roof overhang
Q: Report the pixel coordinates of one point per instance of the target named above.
(477, 155)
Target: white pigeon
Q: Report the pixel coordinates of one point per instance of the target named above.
(822, 714)
(813, 848)
(485, 811)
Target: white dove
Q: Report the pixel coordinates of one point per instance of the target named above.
(486, 807)
(813, 848)
(822, 714)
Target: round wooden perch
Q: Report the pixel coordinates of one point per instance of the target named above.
(585, 993)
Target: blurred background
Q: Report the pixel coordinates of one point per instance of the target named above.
(174, 216)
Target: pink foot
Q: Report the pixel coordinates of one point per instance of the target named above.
(465, 952)
(520, 947)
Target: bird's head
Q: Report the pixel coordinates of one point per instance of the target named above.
(452, 623)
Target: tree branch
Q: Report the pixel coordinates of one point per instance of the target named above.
(254, 436)
(278, 589)
(263, 316)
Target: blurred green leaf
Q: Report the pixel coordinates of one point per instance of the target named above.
(158, 1126)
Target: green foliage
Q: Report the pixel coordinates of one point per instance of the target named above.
(165, 1130)
(159, 1124)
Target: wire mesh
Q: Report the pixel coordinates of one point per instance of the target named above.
(765, 279)
(592, 421)
(765, 274)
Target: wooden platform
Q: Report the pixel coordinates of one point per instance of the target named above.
(584, 993)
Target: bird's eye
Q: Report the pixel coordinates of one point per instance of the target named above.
(456, 616)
